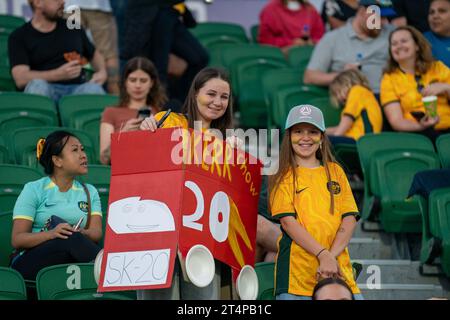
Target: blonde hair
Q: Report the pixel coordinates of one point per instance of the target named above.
(346, 80)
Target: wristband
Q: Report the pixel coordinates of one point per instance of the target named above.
(317, 255)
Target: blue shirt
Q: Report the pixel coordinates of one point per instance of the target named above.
(41, 199)
(440, 46)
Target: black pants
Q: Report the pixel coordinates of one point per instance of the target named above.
(169, 35)
(76, 249)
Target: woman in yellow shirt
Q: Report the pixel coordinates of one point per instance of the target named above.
(412, 74)
(311, 196)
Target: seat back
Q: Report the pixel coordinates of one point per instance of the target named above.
(439, 212)
(266, 280)
(5, 238)
(4, 58)
(209, 32)
(12, 285)
(12, 180)
(4, 151)
(231, 54)
(443, 149)
(254, 31)
(9, 23)
(299, 56)
(23, 142)
(332, 116)
(73, 282)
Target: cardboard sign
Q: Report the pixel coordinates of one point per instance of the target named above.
(159, 205)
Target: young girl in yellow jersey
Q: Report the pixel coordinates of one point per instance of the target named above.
(312, 198)
(361, 113)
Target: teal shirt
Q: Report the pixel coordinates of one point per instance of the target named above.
(41, 199)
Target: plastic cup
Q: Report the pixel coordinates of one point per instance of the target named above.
(430, 104)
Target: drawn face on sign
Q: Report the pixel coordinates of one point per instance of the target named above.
(133, 215)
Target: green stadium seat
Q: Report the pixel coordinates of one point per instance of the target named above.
(247, 74)
(288, 97)
(6, 81)
(4, 151)
(231, 54)
(347, 155)
(254, 31)
(83, 112)
(73, 281)
(298, 57)
(371, 143)
(266, 280)
(4, 58)
(332, 115)
(209, 33)
(443, 149)
(12, 285)
(21, 110)
(272, 81)
(12, 180)
(5, 238)
(23, 143)
(9, 23)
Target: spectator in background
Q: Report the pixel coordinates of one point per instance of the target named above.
(141, 95)
(118, 8)
(156, 28)
(412, 74)
(47, 57)
(96, 16)
(290, 23)
(361, 112)
(337, 12)
(332, 289)
(63, 158)
(412, 12)
(356, 45)
(439, 35)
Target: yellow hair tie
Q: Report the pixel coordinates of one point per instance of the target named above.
(181, 8)
(40, 148)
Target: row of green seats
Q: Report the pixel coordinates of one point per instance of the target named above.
(60, 282)
(389, 161)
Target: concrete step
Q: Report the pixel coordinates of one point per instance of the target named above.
(398, 291)
(393, 271)
(369, 249)
(359, 233)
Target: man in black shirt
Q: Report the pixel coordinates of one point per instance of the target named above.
(47, 57)
(413, 12)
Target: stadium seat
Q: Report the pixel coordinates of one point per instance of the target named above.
(21, 110)
(211, 33)
(12, 285)
(247, 74)
(289, 97)
(443, 149)
(254, 31)
(347, 155)
(5, 238)
(332, 115)
(83, 112)
(4, 151)
(371, 143)
(266, 280)
(272, 81)
(73, 282)
(299, 56)
(9, 23)
(4, 58)
(6, 81)
(23, 143)
(12, 180)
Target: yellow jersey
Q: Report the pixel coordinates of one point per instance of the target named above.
(403, 88)
(296, 269)
(363, 108)
(173, 120)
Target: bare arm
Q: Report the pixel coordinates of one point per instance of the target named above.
(23, 238)
(94, 232)
(319, 78)
(106, 129)
(395, 117)
(344, 125)
(98, 63)
(22, 73)
(343, 235)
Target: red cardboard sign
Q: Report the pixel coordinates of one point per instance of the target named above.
(159, 205)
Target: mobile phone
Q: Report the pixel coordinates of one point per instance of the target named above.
(144, 113)
(418, 115)
(164, 117)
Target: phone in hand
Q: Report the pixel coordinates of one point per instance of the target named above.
(144, 113)
(418, 115)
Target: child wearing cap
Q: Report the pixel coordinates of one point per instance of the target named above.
(312, 198)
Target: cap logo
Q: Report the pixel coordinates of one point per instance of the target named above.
(305, 111)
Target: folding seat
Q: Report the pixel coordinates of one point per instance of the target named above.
(332, 115)
(9, 23)
(266, 280)
(299, 56)
(54, 283)
(5, 239)
(12, 285)
(443, 149)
